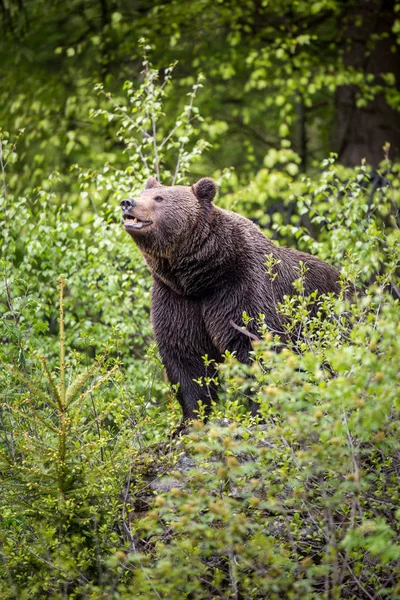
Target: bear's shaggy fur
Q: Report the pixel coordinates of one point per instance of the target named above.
(208, 267)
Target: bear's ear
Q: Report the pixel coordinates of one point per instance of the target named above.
(205, 189)
(152, 183)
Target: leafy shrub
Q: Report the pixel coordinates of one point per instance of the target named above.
(95, 503)
(305, 505)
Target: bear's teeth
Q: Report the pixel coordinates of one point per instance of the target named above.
(135, 220)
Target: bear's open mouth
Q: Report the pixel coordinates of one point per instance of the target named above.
(131, 222)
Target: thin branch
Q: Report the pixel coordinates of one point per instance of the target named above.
(153, 122)
(171, 133)
(97, 425)
(32, 419)
(62, 341)
(155, 148)
(360, 585)
(17, 373)
(244, 331)
(125, 519)
(99, 383)
(3, 170)
(9, 297)
(188, 118)
(50, 378)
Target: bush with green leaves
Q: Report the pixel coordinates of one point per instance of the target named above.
(69, 452)
(306, 502)
(95, 502)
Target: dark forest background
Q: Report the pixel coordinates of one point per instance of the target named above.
(322, 75)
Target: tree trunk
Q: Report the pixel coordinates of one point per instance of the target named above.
(361, 132)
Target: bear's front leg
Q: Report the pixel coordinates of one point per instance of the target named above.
(224, 320)
(183, 341)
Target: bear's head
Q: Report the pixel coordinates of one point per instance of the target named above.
(162, 218)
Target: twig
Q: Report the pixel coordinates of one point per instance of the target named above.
(9, 297)
(188, 118)
(125, 520)
(97, 425)
(62, 342)
(50, 378)
(3, 170)
(171, 133)
(155, 148)
(233, 574)
(47, 562)
(244, 331)
(360, 585)
(153, 122)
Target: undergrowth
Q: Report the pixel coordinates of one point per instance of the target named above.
(96, 501)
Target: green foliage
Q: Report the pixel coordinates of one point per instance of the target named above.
(95, 503)
(305, 505)
(143, 114)
(273, 72)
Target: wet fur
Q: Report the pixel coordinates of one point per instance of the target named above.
(208, 267)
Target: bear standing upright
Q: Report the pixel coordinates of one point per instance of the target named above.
(208, 268)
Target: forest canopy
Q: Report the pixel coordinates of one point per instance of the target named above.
(322, 76)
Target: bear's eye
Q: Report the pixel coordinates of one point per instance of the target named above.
(158, 198)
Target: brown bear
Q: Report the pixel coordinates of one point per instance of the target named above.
(208, 268)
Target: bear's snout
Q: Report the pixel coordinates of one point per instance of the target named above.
(127, 204)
